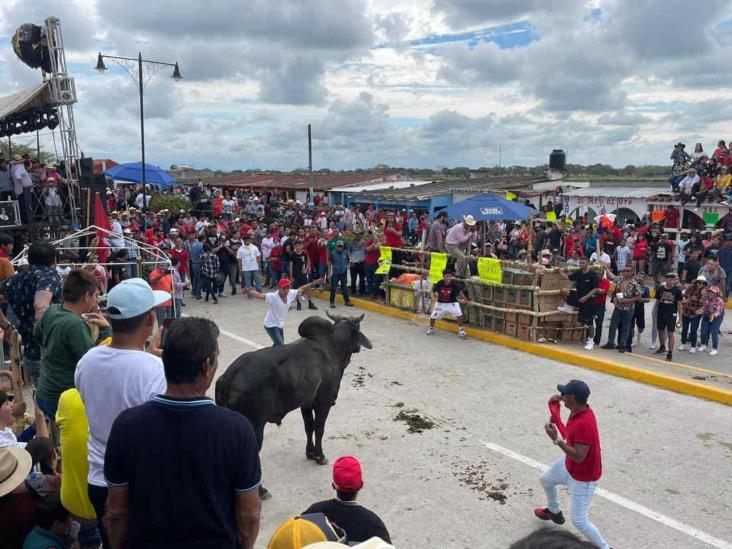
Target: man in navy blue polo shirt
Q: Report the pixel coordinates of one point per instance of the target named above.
(181, 471)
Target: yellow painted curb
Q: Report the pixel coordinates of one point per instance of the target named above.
(583, 360)
(728, 304)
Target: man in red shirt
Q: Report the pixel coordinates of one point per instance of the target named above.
(581, 467)
(393, 233)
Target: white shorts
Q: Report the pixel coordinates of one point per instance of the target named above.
(442, 309)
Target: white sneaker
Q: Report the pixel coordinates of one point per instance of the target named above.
(692, 350)
(701, 348)
(682, 348)
(713, 352)
(461, 333)
(589, 345)
(430, 331)
(566, 308)
(653, 346)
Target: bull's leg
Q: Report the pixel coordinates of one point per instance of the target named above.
(259, 434)
(308, 419)
(321, 415)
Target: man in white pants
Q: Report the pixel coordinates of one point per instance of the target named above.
(446, 295)
(581, 467)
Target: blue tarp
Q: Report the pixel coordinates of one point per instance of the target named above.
(488, 207)
(133, 173)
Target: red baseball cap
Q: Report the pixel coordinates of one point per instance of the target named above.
(285, 283)
(347, 474)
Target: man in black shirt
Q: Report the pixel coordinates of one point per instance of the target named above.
(183, 472)
(582, 296)
(446, 295)
(299, 269)
(663, 257)
(344, 511)
(691, 266)
(669, 298)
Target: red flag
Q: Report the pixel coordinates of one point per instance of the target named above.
(555, 412)
(101, 220)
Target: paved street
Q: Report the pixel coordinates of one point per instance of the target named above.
(667, 457)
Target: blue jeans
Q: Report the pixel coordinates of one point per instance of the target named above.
(232, 272)
(711, 327)
(580, 494)
(274, 275)
(689, 329)
(47, 407)
(276, 334)
(372, 280)
(335, 279)
(196, 281)
(251, 278)
(620, 321)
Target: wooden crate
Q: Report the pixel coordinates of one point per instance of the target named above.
(499, 325)
(511, 328)
(486, 294)
(512, 296)
(553, 281)
(512, 316)
(524, 332)
(499, 295)
(499, 314)
(402, 299)
(525, 298)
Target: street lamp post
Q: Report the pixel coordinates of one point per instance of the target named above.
(128, 63)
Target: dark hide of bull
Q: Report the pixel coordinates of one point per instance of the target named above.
(267, 384)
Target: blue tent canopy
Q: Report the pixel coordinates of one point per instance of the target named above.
(133, 173)
(488, 207)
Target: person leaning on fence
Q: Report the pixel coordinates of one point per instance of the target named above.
(458, 241)
(582, 296)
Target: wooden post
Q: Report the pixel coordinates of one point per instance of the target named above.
(17, 377)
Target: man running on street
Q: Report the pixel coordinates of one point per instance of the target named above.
(669, 297)
(581, 467)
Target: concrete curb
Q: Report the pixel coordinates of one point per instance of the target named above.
(583, 360)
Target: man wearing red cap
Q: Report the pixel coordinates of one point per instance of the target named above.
(359, 523)
(278, 305)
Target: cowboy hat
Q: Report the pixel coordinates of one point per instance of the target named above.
(469, 220)
(15, 464)
(17, 159)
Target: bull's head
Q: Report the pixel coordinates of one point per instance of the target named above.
(359, 340)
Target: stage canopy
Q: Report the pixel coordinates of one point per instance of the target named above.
(36, 97)
(488, 207)
(132, 173)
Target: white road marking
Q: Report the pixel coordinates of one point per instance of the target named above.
(605, 494)
(620, 500)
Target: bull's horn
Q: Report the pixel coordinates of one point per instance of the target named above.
(333, 317)
(358, 319)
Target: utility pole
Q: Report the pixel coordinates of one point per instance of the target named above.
(310, 164)
(500, 159)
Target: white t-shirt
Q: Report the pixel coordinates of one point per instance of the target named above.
(277, 309)
(248, 255)
(602, 258)
(267, 245)
(9, 440)
(110, 381)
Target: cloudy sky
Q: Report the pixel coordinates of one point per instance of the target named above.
(422, 83)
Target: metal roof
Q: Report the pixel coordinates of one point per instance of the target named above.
(379, 186)
(618, 192)
(437, 188)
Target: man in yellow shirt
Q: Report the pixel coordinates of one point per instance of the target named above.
(74, 429)
(6, 252)
(722, 185)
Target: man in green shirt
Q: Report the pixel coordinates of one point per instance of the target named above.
(64, 337)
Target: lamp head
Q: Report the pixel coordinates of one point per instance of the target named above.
(176, 73)
(101, 67)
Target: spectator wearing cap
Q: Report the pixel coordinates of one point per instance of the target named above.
(712, 317)
(278, 305)
(305, 531)
(113, 378)
(359, 523)
(339, 262)
(173, 479)
(581, 467)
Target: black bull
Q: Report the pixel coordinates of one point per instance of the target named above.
(267, 384)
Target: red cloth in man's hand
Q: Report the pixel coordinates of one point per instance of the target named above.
(556, 417)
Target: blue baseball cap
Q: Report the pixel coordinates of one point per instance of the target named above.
(133, 297)
(575, 388)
